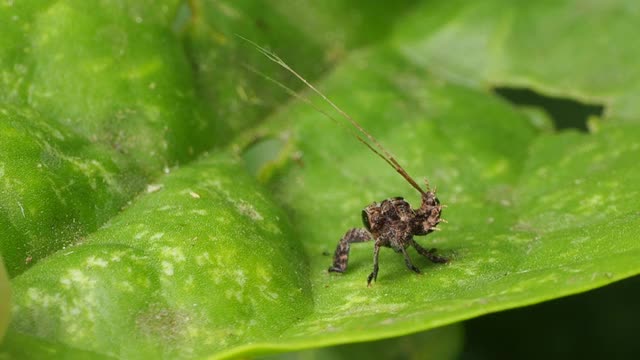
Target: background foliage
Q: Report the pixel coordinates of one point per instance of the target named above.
(158, 199)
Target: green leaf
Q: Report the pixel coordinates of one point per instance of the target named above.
(5, 299)
(208, 263)
(201, 263)
(21, 346)
(532, 215)
(220, 59)
(441, 343)
(565, 48)
(86, 86)
(124, 99)
(56, 186)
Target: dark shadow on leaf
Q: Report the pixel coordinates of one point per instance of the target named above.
(600, 324)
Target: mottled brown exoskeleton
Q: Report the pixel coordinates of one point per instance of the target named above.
(391, 223)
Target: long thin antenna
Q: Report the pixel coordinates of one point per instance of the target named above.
(387, 156)
(318, 109)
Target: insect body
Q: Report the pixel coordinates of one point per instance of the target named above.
(391, 223)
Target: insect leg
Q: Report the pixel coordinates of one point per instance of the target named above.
(341, 256)
(374, 274)
(407, 260)
(429, 254)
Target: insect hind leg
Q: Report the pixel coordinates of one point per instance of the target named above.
(429, 254)
(407, 261)
(341, 256)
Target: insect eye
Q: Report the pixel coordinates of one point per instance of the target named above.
(437, 201)
(365, 220)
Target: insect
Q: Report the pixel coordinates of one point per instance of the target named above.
(391, 223)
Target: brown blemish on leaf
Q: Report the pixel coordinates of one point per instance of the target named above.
(248, 210)
(160, 322)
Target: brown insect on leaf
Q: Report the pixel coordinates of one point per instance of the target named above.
(391, 223)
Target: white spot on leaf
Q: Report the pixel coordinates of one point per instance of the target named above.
(92, 261)
(173, 253)
(203, 259)
(167, 268)
(141, 234)
(241, 278)
(248, 210)
(21, 209)
(151, 188)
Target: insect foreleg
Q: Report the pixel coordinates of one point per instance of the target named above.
(374, 274)
(341, 256)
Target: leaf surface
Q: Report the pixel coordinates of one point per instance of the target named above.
(532, 215)
(207, 261)
(565, 48)
(5, 300)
